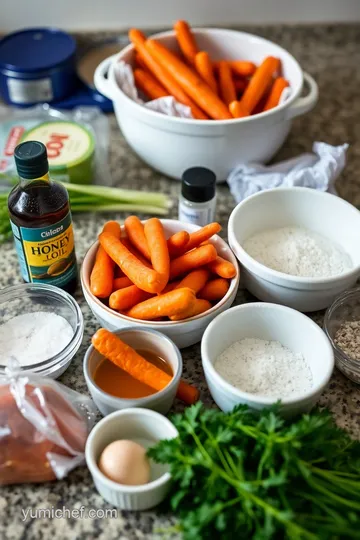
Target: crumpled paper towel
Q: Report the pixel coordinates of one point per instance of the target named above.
(167, 105)
(318, 171)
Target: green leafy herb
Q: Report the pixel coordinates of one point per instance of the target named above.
(254, 475)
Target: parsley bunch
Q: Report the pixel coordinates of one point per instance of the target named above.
(249, 474)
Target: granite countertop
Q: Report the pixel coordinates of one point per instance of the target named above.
(332, 55)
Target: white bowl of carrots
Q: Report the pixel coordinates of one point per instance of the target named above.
(233, 83)
(167, 275)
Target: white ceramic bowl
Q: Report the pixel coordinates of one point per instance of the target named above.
(172, 145)
(139, 425)
(320, 212)
(143, 339)
(271, 322)
(182, 333)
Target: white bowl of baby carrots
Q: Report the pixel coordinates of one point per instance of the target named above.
(206, 292)
(213, 138)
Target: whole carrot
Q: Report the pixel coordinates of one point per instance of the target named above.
(191, 260)
(222, 268)
(164, 305)
(169, 83)
(126, 298)
(204, 68)
(214, 290)
(121, 283)
(102, 274)
(135, 232)
(195, 280)
(275, 93)
(159, 253)
(126, 358)
(191, 83)
(145, 278)
(202, 235)
(238, 110)
(177, 242)
(226, 83)
(199, 306)
(260, 82)
(239, 67)
(186, 40)
(149, 85)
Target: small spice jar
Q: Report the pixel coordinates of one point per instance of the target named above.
(197, 202)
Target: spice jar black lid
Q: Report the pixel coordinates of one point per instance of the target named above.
(198, 184)
(31, 159)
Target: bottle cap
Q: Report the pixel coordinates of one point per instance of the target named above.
(31, 159)
(198, 184)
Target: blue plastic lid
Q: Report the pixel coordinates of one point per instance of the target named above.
(36, 49)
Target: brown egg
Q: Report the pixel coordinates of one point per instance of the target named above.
(125, 462)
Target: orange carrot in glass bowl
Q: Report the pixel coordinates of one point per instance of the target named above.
(189, 80)
(135, 233)
(102, 274)
(121, 283)
(238, 110)
(259, 82)
(162, 75)
(148, 84)
(186, 41)
(164, 305)
(157, 244)
(226, 83)
(199, 306)
(145, 278)
(222, 268)
(275, 93)
(126, 298)
(177, 242)
(214, 290)
(204, 68)
(191, 260)
(127, 359)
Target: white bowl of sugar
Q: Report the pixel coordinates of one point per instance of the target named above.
(259, 353)
(297, 246)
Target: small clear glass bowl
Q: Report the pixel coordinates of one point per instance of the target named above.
(345, 308)
(31, 297)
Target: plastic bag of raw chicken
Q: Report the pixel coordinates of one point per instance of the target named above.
(43, 427)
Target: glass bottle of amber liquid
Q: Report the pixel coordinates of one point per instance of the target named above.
(41, 221)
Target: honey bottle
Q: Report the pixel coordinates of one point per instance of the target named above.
(41, 221)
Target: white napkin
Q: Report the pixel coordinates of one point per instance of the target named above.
(166, 105)
(318, 171)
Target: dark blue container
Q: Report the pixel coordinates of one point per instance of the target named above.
(37, 65)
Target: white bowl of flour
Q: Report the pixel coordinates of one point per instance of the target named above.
(260, 353)
(297, 246)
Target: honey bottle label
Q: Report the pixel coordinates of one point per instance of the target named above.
(46, 254)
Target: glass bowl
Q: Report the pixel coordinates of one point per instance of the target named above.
(32, 297)
(345, 308)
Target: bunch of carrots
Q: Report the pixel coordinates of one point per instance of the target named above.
(218, 90)
(148, 277)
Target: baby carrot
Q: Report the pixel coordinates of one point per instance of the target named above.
(145, 278)
(126, 358)
(204, 68)
(102, 274)
(260, 82)
(189, 80)
(239, 67)
(226, 83)
(135, 232)
(149, 85)
(238, 110)
(186, 40)
(214, 290)
(164, 305)
(127, 297)
(191, 260)
(275, 93)
(177, 242)
(169, 83)
(195, 280)
(202, 235)
(159, 253)
(121, 283)
(222, 268)
(199, 306)
(126, 242)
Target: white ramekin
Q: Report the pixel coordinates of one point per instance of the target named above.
(131, 424)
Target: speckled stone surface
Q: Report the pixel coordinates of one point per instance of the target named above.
(332, 55)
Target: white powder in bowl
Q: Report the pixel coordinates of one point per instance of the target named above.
(265, 368)
(298, 252)
(34, 337)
